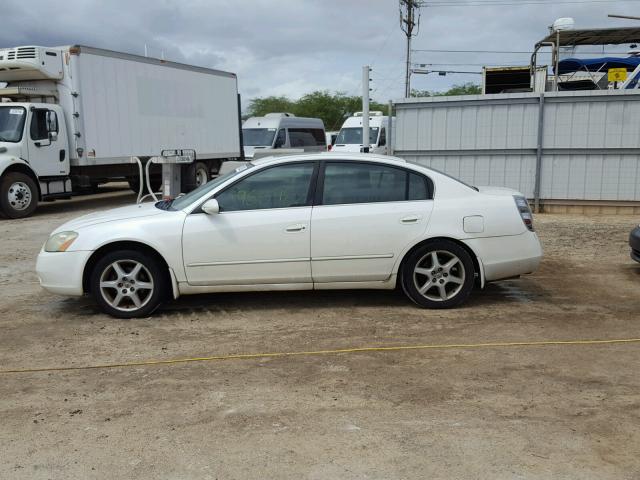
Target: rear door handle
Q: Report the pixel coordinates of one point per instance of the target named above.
(296, 228)
(410, 219)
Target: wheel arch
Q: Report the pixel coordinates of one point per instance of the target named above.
(477, 262)
(125, 245)
(24, 168)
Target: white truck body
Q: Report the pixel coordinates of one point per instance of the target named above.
(111, 106)
(350, 136)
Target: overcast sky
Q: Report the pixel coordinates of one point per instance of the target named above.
(291, 47)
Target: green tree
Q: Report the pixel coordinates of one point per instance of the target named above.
(258, 107)
(468, 88)
(332, 108)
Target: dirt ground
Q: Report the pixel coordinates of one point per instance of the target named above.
(529, 412)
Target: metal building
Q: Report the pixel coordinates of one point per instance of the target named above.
(578, 149)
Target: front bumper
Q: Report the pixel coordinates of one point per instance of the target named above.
(634, 243)
(61, 272)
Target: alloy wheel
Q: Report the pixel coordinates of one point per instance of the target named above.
(439, 275)
(126, 285)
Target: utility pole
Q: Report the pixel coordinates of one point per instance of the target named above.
(409, 23)
(365, 108)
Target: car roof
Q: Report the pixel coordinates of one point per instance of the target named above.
(361, 157)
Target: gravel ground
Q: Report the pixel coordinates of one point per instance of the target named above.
(562, 412)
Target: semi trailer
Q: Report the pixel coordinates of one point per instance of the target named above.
(72, 118)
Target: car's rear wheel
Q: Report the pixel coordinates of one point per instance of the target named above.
(439, 274)
(128, 283)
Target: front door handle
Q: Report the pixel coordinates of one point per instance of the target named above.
(410, 219)
(296, 228)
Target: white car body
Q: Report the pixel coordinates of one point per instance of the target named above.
(307, 247)
(378, 125)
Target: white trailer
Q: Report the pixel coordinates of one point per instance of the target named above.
(72, 117)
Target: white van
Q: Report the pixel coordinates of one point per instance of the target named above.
(350, 136)
(282, 130)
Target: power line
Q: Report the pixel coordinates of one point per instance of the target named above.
(478, 3)
(469, 64)
(428, 50)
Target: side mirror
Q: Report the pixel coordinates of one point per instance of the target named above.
(211, 207)
(52, 122)
(53, 136)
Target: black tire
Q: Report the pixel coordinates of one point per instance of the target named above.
(437, 276)
(202, 173)
(152, 271)
(18, 195)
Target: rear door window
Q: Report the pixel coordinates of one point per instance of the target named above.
(355, 182)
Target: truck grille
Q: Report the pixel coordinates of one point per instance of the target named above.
(20, 53)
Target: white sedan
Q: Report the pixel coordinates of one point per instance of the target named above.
(303, 222)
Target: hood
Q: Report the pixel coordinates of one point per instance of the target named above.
(501, 191)
(249, 151)
(115, 214)
(10, 152)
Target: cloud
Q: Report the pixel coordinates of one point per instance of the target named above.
(290, 47)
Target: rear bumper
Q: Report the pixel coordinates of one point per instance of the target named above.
(634, 243)
(61, 272)
(508, 256)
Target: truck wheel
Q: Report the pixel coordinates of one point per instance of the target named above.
(128, 284)
(202, 173)
(18, 195)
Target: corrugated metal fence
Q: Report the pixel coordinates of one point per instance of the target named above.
(555, 146)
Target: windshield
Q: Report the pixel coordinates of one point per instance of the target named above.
(11, 123)
(258, 137)
(354, 135)
(186, 200)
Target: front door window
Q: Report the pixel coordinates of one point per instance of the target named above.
(283, 186)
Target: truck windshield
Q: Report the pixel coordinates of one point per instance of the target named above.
(258, 137)
(11, 123)
(353, 135)
(187, 199)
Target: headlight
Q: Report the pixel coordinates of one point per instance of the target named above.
(60, 241)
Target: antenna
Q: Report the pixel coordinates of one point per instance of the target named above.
(409, 21)
(626, 17)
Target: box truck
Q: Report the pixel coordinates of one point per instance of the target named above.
(73, 117)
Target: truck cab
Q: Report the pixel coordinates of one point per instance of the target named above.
(350, 136)
(34, 142)
(281, 131)
(33, 155)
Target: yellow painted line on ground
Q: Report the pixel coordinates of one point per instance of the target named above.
(248, 356)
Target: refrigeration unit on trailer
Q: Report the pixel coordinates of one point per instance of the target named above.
(282, 131)
(73, 117)
(350, 136)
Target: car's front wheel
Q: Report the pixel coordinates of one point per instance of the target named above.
(439, 274)
(128, 283)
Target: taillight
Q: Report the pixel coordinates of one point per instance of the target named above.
(329, 147)
(525, 211)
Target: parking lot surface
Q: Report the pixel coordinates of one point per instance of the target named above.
(557, 411)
